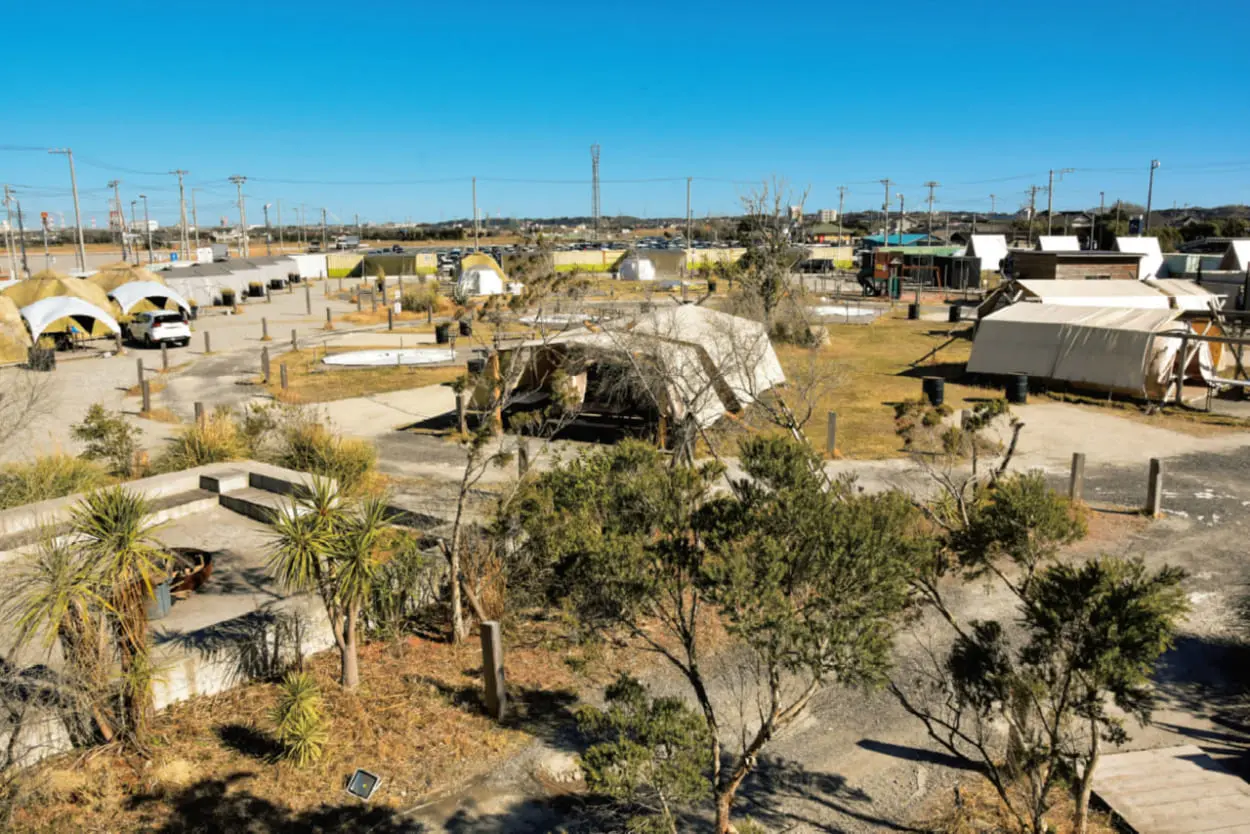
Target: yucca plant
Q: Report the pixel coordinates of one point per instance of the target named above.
(298, 723)
(112, 531)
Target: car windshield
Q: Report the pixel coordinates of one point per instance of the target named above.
(167, 318)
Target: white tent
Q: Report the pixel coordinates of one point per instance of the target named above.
(635, 268)
(45, 311)
(1118, 350)
(1148, 248)
(1159, 294)
(991, 249)
(1188, 296)
(479, 280)
(1058, 243)
(128, 295)
(1237, 256)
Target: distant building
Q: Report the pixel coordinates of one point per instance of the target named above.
(828, 215)
(873, 241)
(827, 233)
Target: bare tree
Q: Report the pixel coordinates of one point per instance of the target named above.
(24, 398)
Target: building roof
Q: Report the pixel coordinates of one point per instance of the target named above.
(991, 249)
(1148, 248)
(896, 239)
(1058, 243)
(1237, 256)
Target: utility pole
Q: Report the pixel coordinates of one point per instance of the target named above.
(185, 239)
(842, 189)
(148, 223)
(238, 180)
(689, 180)
(475, 236)
(302, 233)
(1102, 209)
(594, 187)
(121, 216)
(993, 198)
(73, 184)
(360, 231)
(8, 233)
(195, 218)
(134, 224)
(885, 214)
(324, 242)
(932, 185)
(1050, 196)
(1033, 189)
(281, 242)
(902, 218)
(268, 248)
(1150, 192)
(21, 238)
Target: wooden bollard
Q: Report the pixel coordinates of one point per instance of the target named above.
(492, 670)
(831, 433)
(264, 363)
(264, 329)
(1076, 481)
(294, 339)
(268, 295)
(282, 375)
(164, 357)
(373, 301)
(390, 318)
(199, 414)
(139, 370)
(329, 321)
(145, 388)
(359, 302)
(208, 342)
(117, 338)
(1154, 489)
(308, 299)
(460, 415)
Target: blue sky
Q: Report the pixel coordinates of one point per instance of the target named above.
(386, 109)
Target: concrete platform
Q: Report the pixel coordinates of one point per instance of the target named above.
(1174, 790)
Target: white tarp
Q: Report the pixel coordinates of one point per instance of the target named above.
(1109, 349)
(1118, 294)
(991, 249)
(479, 280)
(1184, 294)
(45, 311)
(1148, 248)
(635, 268)
(1237, 256)
(1058, 243)
(128, 295)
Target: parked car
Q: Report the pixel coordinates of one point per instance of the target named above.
(155, 327)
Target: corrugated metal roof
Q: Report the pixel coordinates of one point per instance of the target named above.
(1058, 243)
(1148, 248)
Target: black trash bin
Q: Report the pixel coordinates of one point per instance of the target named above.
(1018, 389)
(913, 311)
(955, 314)
(476, 365)
(934, 388)
(442, 333)
(466, 327)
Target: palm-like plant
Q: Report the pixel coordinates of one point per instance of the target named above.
(324, 543)
(297, 717)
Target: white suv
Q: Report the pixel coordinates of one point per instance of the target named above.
(154, 327)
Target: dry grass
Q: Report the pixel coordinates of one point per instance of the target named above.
(309, 381)
(979, 810)
(415, 720)
(161, 415)
(1173, 418)
(154, 385)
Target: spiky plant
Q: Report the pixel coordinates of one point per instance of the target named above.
(298, 723)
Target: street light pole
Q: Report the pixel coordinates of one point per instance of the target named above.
(134, 225)
(73, 184)
(1150, 192)
(148, 223)
(268, 248)
(195, 218)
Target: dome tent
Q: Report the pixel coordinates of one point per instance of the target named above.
(635, 268)
(479, 275)
(144, 295)
(14, 339)
(115, 275)
(48, 284)
(48, 314)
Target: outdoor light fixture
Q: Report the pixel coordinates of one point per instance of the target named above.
(363, 784)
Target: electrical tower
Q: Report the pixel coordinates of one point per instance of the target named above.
(594, 188)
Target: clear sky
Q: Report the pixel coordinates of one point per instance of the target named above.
(386, 109)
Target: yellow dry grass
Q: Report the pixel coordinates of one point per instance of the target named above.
(415, 719)
(309, 381)
(979, 809)
(155, 386)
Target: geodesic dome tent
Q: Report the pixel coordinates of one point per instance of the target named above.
(634, 268)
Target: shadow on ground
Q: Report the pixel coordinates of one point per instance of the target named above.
(545, 714)
(1210, 678)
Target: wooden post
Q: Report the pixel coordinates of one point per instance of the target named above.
(1154, 489)
(139, 369)
(373, 301)
(264, 363)
(117, 338)
(329, 321)
(492, 670)
(460, 415)
(294, 339)
(496, 387)
(359, 302)
(282, 375)
(308, 299)
(1180, 370)
(401, 286)
(164, 357)
(390, 318)
(208, 342)
(268, 295)
(145, 388)
(199, 414)
(264, 329)
(1076, 481)
(831, 433)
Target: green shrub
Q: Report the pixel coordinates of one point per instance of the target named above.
(404, 584)
(218, 439)
(298, 723)
(51, 476)
(109, 438)
(311, 447)
(421, 299)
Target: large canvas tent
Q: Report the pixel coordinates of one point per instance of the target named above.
(479, 275)
(112, 276)
(15, 341)
(1148, 248)
(634, 268)
(49, 285)
(1123, 351)
(991, 249)
(1166, 294)
(61, 313)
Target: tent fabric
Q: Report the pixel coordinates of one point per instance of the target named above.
(42, 315)
(635, 268)
(129, 295)
(1058, 243)
(51, 285)
(1237, 256)
(991, 249)
(1185, 294)
(1109, 349)
(14, 339)
(1118, 294)
(1148, 248)
(479, 280)
(112, 276)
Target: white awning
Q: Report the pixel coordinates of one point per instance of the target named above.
(45, 311)
(128, 295)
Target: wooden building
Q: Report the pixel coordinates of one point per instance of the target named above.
(1073, 266)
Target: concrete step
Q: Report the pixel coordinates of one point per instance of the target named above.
(257, 504)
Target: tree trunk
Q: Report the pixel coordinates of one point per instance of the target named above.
(723, 800)
(1081, 823)
(351, 669)
(457, 606)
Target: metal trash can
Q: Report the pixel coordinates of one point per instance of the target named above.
(1017, 389)
(466, 327)
(955, 314)
(934, 388)
(913, 311)
(476, 365)
(442, 333)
